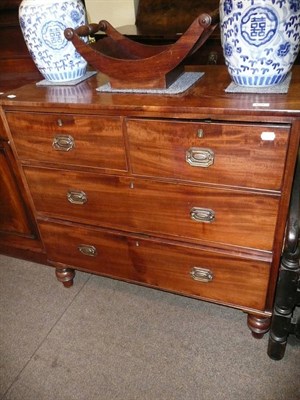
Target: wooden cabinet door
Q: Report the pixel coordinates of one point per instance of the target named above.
(14, 218)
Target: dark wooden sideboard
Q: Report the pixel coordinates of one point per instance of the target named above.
(18, 231)
(187, 193)
(163, 22)
(16, 65)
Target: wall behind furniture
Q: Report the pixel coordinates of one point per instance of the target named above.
(117, 12)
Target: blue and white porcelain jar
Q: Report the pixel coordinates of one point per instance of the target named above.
(260, 39)
(43, 23)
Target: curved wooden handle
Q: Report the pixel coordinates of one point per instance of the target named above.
(85, 30)
(211, 19)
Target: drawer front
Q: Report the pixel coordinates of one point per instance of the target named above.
(230, 154)
(179, 211)
(186, 270)
(71, 140)
(88, 249)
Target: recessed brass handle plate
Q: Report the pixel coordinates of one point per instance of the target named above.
(202, 214)
(202, 274)
(88, 250)
(76, 197)
(200, 157)
(63, 142)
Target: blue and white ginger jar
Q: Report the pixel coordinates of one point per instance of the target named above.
(43, 23)
(260, 39)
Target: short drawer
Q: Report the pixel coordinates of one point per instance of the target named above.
(69, 139)
(187, 270)
(250, 155)
(89, 249)
(183, 212)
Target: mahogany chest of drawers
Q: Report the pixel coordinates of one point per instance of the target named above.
(186, 193)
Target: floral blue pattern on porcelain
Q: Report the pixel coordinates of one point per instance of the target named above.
(260, 39)
(43, 23)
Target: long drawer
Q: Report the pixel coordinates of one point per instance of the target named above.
(251, 155)
(69, 139)
(182, 269)
(184, 212)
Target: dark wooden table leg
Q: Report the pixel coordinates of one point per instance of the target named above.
(65, 275)
(287, 296)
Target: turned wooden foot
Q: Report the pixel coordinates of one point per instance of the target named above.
(65, 275)
(258, 325)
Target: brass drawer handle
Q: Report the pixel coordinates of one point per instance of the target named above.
(200, 157)
(76, 197)
(202, 274)
(88, 250)
(63, 142)
(202, 214)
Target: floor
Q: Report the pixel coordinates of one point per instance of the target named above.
(105, 340)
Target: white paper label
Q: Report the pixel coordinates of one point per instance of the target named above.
(268, 136)
(261, 104)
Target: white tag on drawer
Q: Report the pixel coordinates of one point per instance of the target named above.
(270, 136)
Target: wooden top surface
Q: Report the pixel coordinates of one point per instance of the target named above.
(206, 97)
